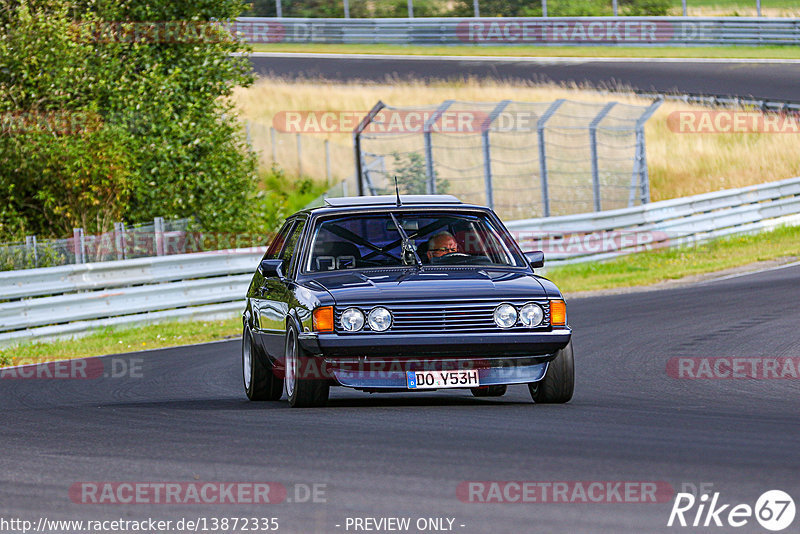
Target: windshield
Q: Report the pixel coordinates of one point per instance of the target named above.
(374, 240)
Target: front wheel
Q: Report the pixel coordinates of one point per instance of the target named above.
(302, 392)
(260, 382)
(558, 383)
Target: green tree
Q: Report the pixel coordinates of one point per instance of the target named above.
(167, 142)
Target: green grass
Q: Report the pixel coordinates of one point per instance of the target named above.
(656, 266)
(113, 340)
(755, 52)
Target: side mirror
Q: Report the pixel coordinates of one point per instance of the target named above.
(271, 268)
(536, 259)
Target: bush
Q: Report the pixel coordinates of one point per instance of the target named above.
(638, 8)
(165, 142)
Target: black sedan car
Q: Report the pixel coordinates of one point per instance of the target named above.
(402, 293)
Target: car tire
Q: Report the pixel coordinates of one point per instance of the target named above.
(302, 392)
(489, 391)
(260, 381)
(558, 383)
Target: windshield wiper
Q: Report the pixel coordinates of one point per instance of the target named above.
(409, 249)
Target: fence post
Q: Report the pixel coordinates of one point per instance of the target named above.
(683, 4)
(758, 7)
(593, 145)
(411, 9)
(476, 9)
(299, 156)
(274, 144)
(640, 173)
(30, 246)
(278, 8)
(79, 245)
(346, 9)
(248, 134)
(544, 8)
(328, 162)
(487, 151)
(357, 144)
(158, 235)
(543, 154)
(614, 7)
(430, 173)
(119, 239)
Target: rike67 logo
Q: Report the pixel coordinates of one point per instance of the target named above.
(774, 510)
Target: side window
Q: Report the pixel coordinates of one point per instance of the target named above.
(290, 250)
(277, 244)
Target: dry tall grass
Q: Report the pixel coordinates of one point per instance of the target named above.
(680, 164)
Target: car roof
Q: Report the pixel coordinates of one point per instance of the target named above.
(390, 200)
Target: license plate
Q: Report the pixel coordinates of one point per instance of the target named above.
(442, 379)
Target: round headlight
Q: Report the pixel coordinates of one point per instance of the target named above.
(379, 319)
(352, 320)
(531, 315)
(505, 316)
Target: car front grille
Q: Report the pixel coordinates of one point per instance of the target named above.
(447, 316)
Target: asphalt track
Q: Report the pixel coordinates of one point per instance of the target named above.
(183, 417)
(758, 79)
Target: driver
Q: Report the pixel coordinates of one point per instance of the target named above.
(441, 244)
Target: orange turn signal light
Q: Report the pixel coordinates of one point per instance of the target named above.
(558, 313)
(323, 319)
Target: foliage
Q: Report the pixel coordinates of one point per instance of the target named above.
(412, 178)
(151, 129)
(280, 197)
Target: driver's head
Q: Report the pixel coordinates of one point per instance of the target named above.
(441, 244)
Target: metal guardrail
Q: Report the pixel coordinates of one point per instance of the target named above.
(644, 31)
(667, 223)
(77, 298)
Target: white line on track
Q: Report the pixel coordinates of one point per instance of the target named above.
(528, 59)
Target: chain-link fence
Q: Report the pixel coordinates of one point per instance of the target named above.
(157, 238)
(300, 154)
(525, 159)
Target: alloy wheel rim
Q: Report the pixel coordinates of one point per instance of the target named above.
(291, 366)
(246, 359)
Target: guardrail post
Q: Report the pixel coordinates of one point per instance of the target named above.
(487, 152)
(543, 154)
(430, 172)
(158, 235)
(357, 144)
(119, 239)
(30, 247)
(79, 245)
(593, 146)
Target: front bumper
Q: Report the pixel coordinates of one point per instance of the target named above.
(392, 374)
(503, 343)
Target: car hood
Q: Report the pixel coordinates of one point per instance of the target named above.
(385, 286)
